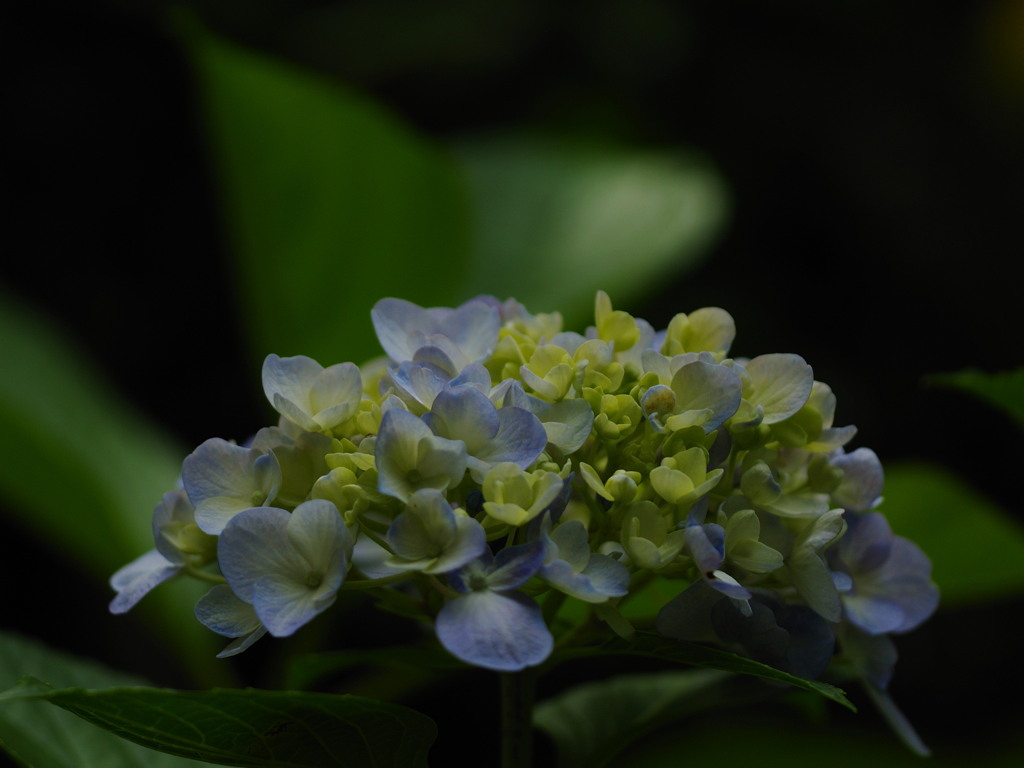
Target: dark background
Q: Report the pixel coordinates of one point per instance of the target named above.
(872, 151)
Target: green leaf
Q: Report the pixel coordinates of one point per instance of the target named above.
(83, 471)
(591, 723)
(271, 729)
(784, 738)
(79, 466)
(331, 203)
(975, 547)
(557, 221)
(1004, 390)
(42, 736)
(650, 645)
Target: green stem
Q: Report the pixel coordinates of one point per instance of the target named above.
(213, 578)
(517, 691)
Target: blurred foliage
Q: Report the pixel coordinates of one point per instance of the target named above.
(976, 549)
(327, 197)
(1004, 390)
(43, 736)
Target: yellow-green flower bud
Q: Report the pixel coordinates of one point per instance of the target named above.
(514, 496)
(683, 478)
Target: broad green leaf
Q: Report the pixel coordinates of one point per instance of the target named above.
(557, 221)
(975, 547)
(1004, 390)
(331, 203)
(81, 470)
(40, 735)
(650, 645)
(264, 729)
(593, 722)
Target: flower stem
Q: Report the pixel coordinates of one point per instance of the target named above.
(517, 690)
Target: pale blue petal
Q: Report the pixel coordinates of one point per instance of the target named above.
(393, 321)
(602, 578)
(513, 566)
(474, 327)
(289, 379)
(570, 341)
(284, 601)
(133, 581)
(727, 585)
(442, 462)
(607, 575)
(223, 612)
(892, 589)
(572, 544)
(419, 382)
(255, 543)
(862, 482)
(474, 375)
(866, 545)
(874, 614)
(335, 394)
(370, 559)
(426, 527)
(903, 585)
(400, 431)
(464, 413)
(706, 553)
(405, 443)
(707, 386)
(521, 438)
(240, 644)
(470, 542)
(567, 422)
(317, 532)
(500, 631)
(221, 479)
(511, 392)
(284, 605)
(782, 384)
(438, 352)
(842, 581)
(403, 328)
(471, 574)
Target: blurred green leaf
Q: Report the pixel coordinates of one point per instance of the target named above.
(265, 729)
(1004, 390)
(331, 204)
(410, 662)
(593, 722)
(976, 549)
(556, 221)
(81, 470)
(650, 645)
(777, 738)
(40, 735)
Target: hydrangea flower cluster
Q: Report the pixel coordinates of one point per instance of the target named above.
(494, 466)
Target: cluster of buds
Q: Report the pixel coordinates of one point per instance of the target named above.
(494, 470)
